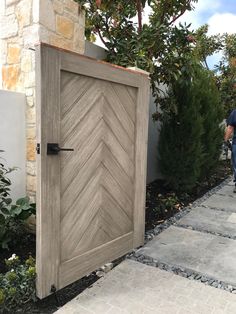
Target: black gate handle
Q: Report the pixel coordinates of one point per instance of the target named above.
(54, 149)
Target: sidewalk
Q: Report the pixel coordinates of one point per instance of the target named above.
(200, 246)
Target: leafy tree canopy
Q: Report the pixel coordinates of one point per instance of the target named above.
(227, 74)
(159, 47)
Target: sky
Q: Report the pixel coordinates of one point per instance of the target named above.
(220, 15)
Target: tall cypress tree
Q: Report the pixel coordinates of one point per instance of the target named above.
(212, 114)
(180, 146)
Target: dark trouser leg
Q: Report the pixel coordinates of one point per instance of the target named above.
(234, 161)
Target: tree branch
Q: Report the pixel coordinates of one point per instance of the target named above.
(180, 14)
(177, 17)
(139, 10)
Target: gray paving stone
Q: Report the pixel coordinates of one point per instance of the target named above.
(183, 296)
(227, 190)
(226, 203)
(211, 220)
(205, 253)
(231, 182)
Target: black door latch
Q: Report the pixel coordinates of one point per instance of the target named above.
(54, 149)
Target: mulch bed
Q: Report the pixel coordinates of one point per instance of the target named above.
(158, 192)
(156, 213)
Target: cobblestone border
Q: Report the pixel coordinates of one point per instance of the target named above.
(184, 272)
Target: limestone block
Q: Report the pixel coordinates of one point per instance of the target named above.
(30, 101)
(29, 80)
(29, 92)
(10, 76)
(44, 34)
(73, 17)
(8, 26)
(15, 40)
(58, 41)
(30, 35)
(71, 6)
(19, 85)
(78, 33)
(3, 51)
(31, 115)
(81, 18)
(32, 196)
(2, 7)
(64, 27)
(58, 6)
(10, 10)
(31, 133)
(35, 11)
(31, 168)
(79, 46)
(31, 183)
(23, 13)
(13, 54)
(31, 151)
(10, 2)
(47, 15)
(26, 63)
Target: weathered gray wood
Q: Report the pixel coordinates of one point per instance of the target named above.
(89, 261)
(99, 70)
(141, 162)
(48, 181)
(90, 201)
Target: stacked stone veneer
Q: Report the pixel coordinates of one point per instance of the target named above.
(24, 23)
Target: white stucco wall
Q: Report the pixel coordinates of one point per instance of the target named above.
(13, 139)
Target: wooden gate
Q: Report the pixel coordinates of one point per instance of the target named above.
(90, 198)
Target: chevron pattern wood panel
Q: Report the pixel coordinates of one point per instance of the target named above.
(97, 178)
(90, 201)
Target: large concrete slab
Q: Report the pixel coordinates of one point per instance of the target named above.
(226, 203)
(231, 182)
(207, 254)
(212, 220)
(227, 190)
(134, 288)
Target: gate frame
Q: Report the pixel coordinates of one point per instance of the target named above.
(49, 64)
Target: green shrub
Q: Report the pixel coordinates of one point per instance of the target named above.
(191, 138)
(17, 286)
(213, 115)
(12, 216)
(167, 203)
(180, 146)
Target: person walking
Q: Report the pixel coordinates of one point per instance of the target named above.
(229, 133)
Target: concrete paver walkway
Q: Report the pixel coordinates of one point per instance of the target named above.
(134, 288)
(209, 250)
(202, 251)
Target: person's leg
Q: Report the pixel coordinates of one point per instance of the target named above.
(234, 163)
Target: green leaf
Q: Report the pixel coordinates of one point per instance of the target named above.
(2, 219)
(16, 210)
(24, 215)
(5, 211)
(22, 201)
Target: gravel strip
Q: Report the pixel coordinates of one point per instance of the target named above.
(224, 235)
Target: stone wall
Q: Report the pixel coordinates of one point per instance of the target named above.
(24, 23)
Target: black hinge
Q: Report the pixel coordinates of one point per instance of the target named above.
(38, 148)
